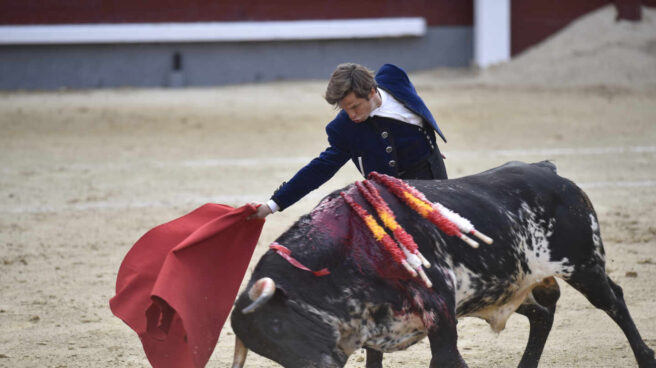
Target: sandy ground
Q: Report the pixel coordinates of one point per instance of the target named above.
(84, 174)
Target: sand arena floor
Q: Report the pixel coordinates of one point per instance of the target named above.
(85, 174)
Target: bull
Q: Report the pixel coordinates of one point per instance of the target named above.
(543, 226)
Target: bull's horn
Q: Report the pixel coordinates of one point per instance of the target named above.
(260, 293)
(240, 353)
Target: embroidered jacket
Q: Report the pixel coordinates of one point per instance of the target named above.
(377, 144)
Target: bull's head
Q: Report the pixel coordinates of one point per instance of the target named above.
(268, 322)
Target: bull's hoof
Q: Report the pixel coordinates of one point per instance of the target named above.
(651, 364)
(648, 363)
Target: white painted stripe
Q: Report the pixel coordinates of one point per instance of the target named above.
(213, 31)
(618, 184)
(301, 160)
(542, 153)
(130, 204)
(553, 152)
(239, 199)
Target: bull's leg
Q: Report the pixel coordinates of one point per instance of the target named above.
(540, 313)
(374, 358)
(603, 293)
(444, 345)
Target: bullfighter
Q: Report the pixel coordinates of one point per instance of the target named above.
(383, 126)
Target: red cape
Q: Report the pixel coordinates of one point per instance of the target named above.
(177, 284)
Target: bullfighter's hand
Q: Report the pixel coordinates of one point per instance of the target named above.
(262, 211)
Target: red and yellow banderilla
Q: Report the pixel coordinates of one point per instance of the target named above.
(447, 221)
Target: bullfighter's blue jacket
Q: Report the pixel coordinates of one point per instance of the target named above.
(377, 144)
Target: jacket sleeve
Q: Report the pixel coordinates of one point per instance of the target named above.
(315, 173)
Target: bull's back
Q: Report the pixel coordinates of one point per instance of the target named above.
(542, 225)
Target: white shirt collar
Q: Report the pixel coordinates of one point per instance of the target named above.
(384, 97)
(392, 108)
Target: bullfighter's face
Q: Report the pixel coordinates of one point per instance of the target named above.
(357, 108)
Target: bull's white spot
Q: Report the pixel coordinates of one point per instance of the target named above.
(540, 262)
(533, 248)
(596, 238)
(454, 279)
(464, 288)
(534, 243)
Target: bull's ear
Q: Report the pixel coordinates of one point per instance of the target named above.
(281, 291)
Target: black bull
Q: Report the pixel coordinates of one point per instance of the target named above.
(542, 224)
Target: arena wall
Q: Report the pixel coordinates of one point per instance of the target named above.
(447, 40)
(218, 63)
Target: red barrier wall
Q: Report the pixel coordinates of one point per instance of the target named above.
(436, 12)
